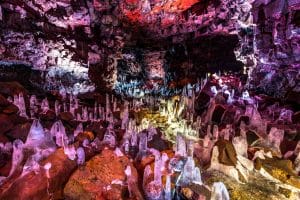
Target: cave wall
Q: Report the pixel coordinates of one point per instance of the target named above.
(277, 49)
(87, 44)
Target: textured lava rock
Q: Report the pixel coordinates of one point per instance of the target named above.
(37, 185)
(227, 154)
(279, 169)
(12, 88)
(20, 131)
(6, 123)
(95, 179)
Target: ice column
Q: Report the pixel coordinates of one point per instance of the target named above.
(17, 156)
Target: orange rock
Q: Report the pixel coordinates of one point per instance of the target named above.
(94, 180)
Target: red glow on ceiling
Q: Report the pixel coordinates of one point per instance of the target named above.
(170, 7)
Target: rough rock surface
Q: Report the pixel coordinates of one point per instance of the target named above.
(100, 178)
(277, 44)
(37, 185)
(78, 43)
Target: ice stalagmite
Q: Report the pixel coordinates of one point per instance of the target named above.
(17, 156)
(219, 192)
(80, 156)
(125, 117)
(109, 138)
(78, 130)
(168, 190)
(47, 167)
(197, 176)
(187, 173)
(275, 137)
(147, 173)
(58, 131)
(70, 151)
(180, 145)
(57, 107)
(20, 103)
(45, 105)
(36, 134)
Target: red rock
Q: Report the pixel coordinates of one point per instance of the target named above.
(37, 184)
(20, 131)
(11, 109)
(3, 101)
(218, 114)
(12, 88)
(48, 116)
(94, 180)
(296, 118)
(5, 123)
(66, 116)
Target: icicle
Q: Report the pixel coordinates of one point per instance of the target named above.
(125, 117)
(118, 152)
(157, 166)
(45, 105)
(143, 143)
(240, 145)
(96, 111)
(17, 156)
(197, 176)
(286, 116)
(70, 151)
(58, 131)
(214, 90)
(187, 173)
(36, 134)
(109, 138)
(32, 102)
(275, 137)
(78, 130)
(72, 105)
(47, 167)
(168, 191)
(31, 165)
(180, 145)
(57, 107)
(219, 191)
(128, 174)
(86, 143)
(126, 146)
(147, 173)
(80, 156)
(20, 103)
(78, 118)
(216, 132)
(85, 115)
(65, 107)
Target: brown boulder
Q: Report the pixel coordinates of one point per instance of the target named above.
(227, 154)
(5, 123)
(66, 116)
(94, 180)
(37, 186)
(279, 169)
(48, 116)
(20, 131)
(158, 143)
(296, 118)
(218, 114)
(10, 109)
(3, 101)
(12, 88)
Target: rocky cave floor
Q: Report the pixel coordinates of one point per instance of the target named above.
(207, 143)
